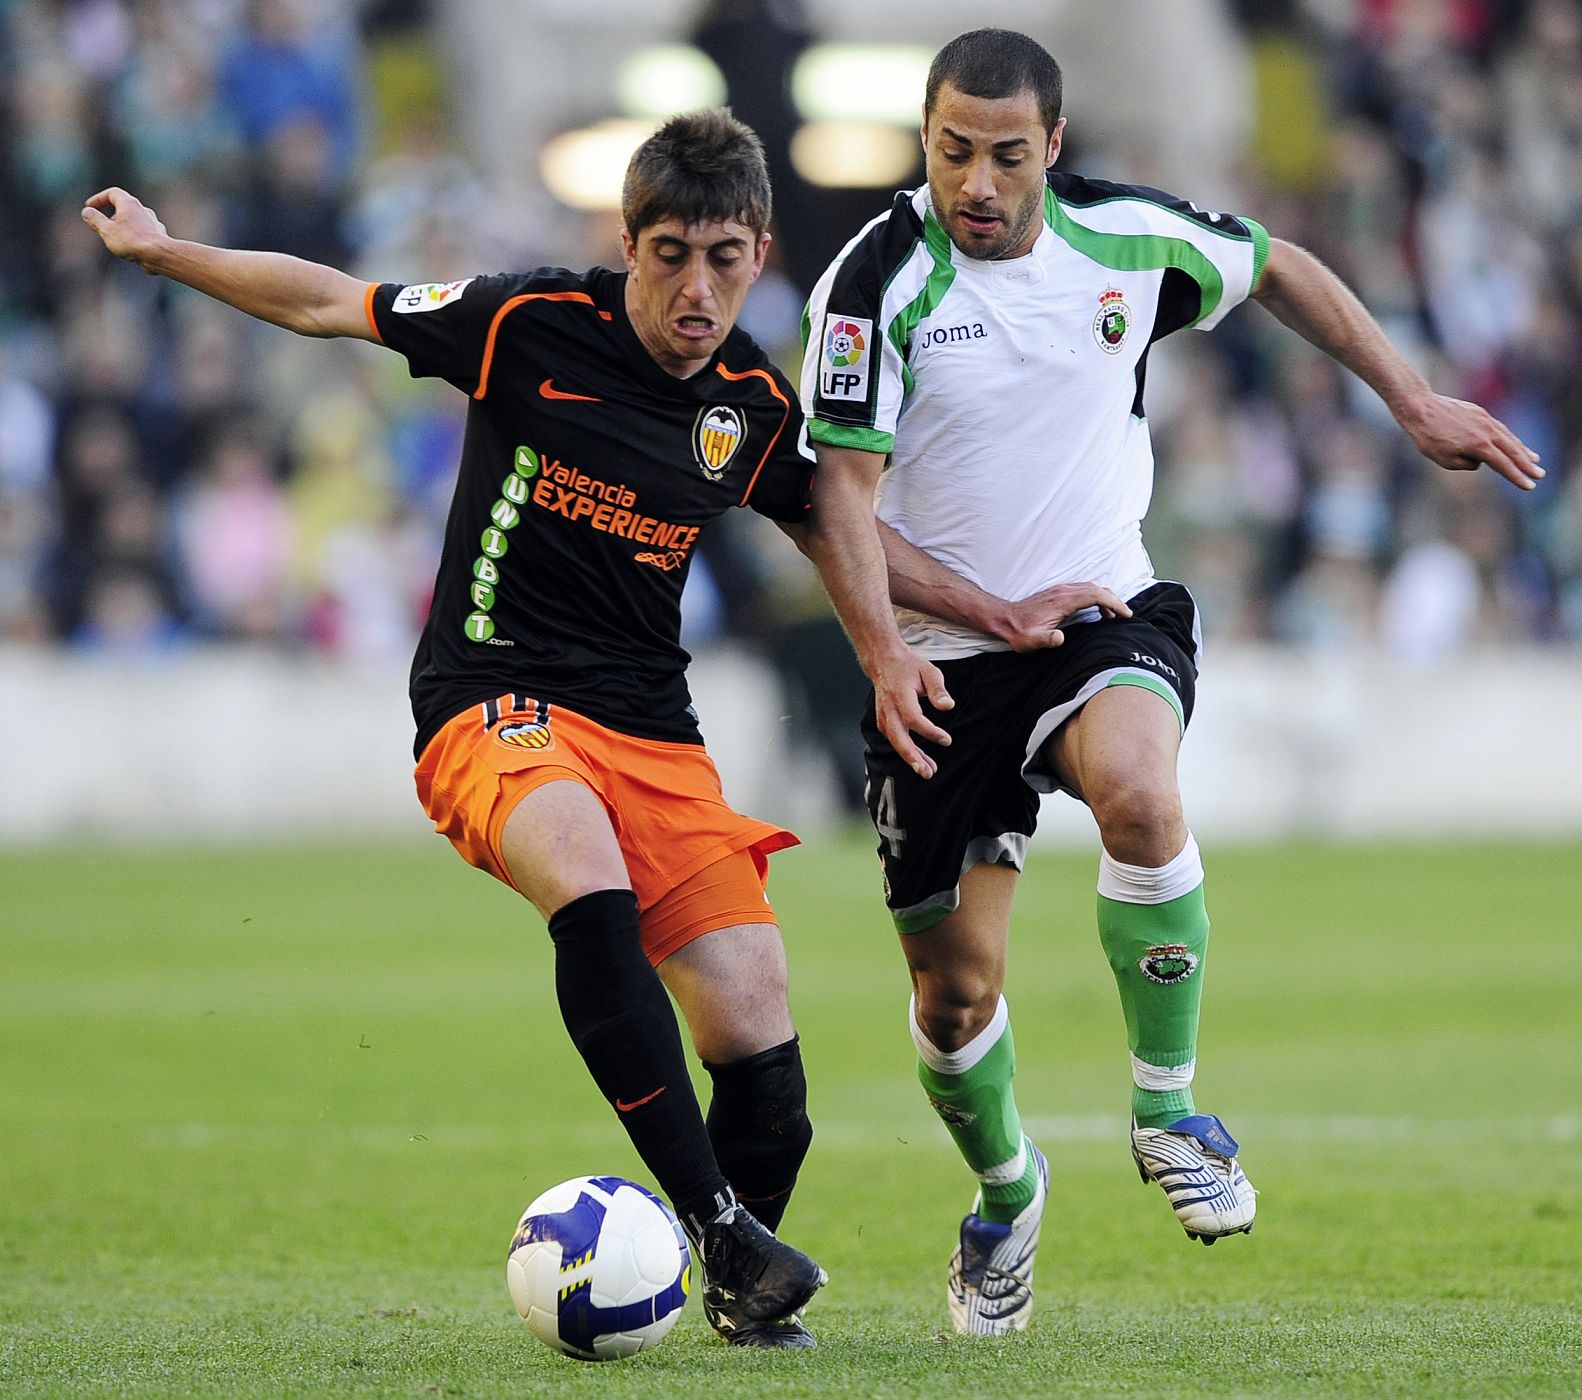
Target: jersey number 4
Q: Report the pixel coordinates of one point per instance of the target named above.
(886, 821)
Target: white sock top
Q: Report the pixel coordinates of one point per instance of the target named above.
(1142, 884)
(958, 1061)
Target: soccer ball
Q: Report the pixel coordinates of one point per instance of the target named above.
(599, 1268)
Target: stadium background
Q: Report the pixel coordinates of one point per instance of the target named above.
(232, 530)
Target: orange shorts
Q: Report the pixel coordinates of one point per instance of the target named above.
(695, 864)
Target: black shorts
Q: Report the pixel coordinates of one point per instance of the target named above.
(982, 803)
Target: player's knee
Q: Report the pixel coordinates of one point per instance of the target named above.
(759, 1127)
(951, 1013)
(1141, 823)
(763, 1095)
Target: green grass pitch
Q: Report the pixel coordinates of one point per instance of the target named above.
(268, 1118)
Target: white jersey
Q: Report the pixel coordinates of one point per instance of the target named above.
(1008, 394)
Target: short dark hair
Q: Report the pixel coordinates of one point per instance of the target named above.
(997, 63)
(699, 167)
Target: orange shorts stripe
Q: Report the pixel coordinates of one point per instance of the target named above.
(663, 799)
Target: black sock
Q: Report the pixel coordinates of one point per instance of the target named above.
(621, 1022)
(759, 1126)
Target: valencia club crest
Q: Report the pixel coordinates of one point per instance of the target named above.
(720, 431)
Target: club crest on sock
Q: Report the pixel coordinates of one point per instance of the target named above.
(950, 1113)
(1167, 963)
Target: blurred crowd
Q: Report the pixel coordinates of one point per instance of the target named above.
(1431, 152)
(171, 473)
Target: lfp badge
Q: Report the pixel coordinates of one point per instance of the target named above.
(719, 432)
(843, 373)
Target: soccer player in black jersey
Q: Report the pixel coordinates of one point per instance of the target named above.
(612, 416)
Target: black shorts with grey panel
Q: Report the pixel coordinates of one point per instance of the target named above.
(982, 803)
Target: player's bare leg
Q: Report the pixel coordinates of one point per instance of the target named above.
(1119, 754)
(731, 987)
(958, 964)
(966, 1060)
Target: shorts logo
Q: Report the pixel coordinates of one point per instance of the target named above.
(1113, 322)
(844, 373)
(525, 734)
(716, 436)
(428, 297)
(1167, 963)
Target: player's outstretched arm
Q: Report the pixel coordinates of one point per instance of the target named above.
(1459, 436)
(304, 297)
(919, 581)
(842, 542)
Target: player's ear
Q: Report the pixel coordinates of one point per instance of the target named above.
(1055, 138)
(761, 253)
(628, 249)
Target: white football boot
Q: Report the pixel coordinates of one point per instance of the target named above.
(991, 1273)
(1194, 1161)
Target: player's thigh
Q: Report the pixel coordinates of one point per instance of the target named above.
(1119, 754)
(730, 984)
(558, 845)
(1124, 734)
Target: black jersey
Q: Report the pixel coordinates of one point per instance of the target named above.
(586, 474)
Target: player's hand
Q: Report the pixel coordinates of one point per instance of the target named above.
(129, 228)
(1036, 620)
(900, 683)
(1461, 437)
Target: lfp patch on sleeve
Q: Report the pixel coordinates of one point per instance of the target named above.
(847, 353)
(428, 297)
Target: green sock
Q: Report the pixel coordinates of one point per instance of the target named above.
(971, 1091)
(1156, 952)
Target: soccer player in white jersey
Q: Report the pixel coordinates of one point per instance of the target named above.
(976, 356)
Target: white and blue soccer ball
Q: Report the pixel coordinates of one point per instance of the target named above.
(599, 1268)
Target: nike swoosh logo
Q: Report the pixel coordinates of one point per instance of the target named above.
(621, 1106)
(548, 390)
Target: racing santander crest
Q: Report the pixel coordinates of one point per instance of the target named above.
(1113, 322)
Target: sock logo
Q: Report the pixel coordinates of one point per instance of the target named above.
(956, 1117)
(621, 1105)
(1167, 963)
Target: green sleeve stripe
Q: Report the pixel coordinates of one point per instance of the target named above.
(937, 283)
(1260, 250)
(807, 323)
(845, 435)
(1140, 252)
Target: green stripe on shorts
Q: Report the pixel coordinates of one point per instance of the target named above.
(1143, 681)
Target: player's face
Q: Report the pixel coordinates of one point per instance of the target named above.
(686, 285)
(985, 158)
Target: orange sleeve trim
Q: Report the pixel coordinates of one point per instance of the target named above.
(368, 311)
(785, 405)
(500, 315)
